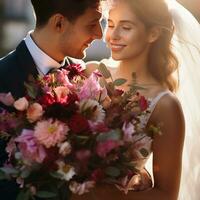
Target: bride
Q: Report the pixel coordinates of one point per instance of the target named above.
(140, 36)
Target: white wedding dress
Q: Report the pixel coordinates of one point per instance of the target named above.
(186, 45)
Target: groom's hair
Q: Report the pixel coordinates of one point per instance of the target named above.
(71, 9)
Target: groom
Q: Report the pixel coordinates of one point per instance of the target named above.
(63, 28)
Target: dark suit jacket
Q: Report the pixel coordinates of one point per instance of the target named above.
(14, 71)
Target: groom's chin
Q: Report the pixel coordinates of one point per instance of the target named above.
(81, 55)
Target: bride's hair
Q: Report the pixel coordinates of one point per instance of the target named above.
(162, 62)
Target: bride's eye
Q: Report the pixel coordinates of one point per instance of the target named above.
(126, 28)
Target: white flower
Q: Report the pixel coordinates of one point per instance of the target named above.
(92, 110)
(141, 149)
(67, 171)
(65, 148)
(129, 130)
(21, 104)
(81, 188)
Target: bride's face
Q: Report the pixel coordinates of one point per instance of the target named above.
(126, 35)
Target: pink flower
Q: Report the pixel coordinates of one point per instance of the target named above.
(29, 147)
(62, 77)
(7, 99)
(34, 112)
(21, 104)
(81, 188)
(83, 155)
(49, 132)
(91, 88)
(98, 127)
(61, 94)
(103, 148)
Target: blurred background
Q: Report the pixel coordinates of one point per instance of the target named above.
(16, 19)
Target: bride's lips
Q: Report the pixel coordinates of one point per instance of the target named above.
(116, 47)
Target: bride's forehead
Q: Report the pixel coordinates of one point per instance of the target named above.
(122, 10)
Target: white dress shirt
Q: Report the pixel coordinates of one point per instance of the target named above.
(43, 62)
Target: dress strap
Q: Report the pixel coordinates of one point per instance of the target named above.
(156, 99)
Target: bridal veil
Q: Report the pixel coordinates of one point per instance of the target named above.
(186, 44)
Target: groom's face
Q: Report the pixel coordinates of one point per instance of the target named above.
(79, 34)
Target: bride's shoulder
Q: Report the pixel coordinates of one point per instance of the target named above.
(169, 100)
(170, 105)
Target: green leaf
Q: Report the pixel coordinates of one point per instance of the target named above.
(2, 175)
(104, 71)
(23, 195)
(144, 152)
(112, 171)
(45, 194)
(8, 170)
(25, 173)
(136, 87)
(111, 135)
(119, 81)
(32, 92)
(56, 175)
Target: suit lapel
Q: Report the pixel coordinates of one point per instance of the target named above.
(26, 61)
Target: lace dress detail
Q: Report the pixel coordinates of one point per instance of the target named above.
(153, 102)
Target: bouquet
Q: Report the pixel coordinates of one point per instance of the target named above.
(69, 133)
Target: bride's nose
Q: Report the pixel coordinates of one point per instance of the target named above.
(115, 34)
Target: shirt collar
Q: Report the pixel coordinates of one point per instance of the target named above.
(43, 62)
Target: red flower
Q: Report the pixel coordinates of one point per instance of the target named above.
(97, 175)
(78, 124)
(74, 70)
(47, 99)
(143, 103)
(118, 92)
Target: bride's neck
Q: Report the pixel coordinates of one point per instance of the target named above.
(139, 67)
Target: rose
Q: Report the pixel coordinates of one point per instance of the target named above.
(34, 112)
(78, 124)
(7, 99)
(61, 94)
(21, 104)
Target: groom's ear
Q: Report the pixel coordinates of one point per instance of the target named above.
(58, 22)
(154, 34)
